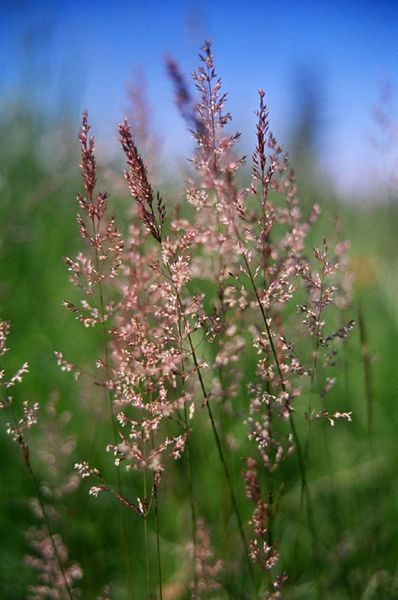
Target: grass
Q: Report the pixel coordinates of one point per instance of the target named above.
(353, 488)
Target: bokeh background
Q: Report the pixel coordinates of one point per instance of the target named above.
(330, 71)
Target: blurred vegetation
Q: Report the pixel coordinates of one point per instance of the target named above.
(39, 178)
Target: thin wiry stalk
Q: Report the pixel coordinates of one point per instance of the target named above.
(191, 502)
(94, 207)
(265, 176)
(123, 524)
(367, 372)
(19, 438)
(154, 494)
(376, 498)
(270, 482)
(267, 328)
(26, 456)
(315, 376)
(188, 463)
(313, 379)
(206, 400)
(215, 174)
(158, 555)
(47, 521)
(147, 561)
(220, 451)
(142, 192)
(264, 173)
(300, 455)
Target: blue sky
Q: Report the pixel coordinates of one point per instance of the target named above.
(84, 54)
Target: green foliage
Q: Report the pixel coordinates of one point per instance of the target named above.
(353, 484)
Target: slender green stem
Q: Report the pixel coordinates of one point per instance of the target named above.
(317, 336)
(26, 456)
(297, 443)
(216, 434)
(376, 497)
(278, 368)
(25, 451)
(157, 528)
(213, 423)
(188, 458)
(221, 454)
(123, 524)
(316, 380)
(367, 372)
(192, 504)
(147, 561)
(270, 479)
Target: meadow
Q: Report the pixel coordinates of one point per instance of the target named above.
(215, 397)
